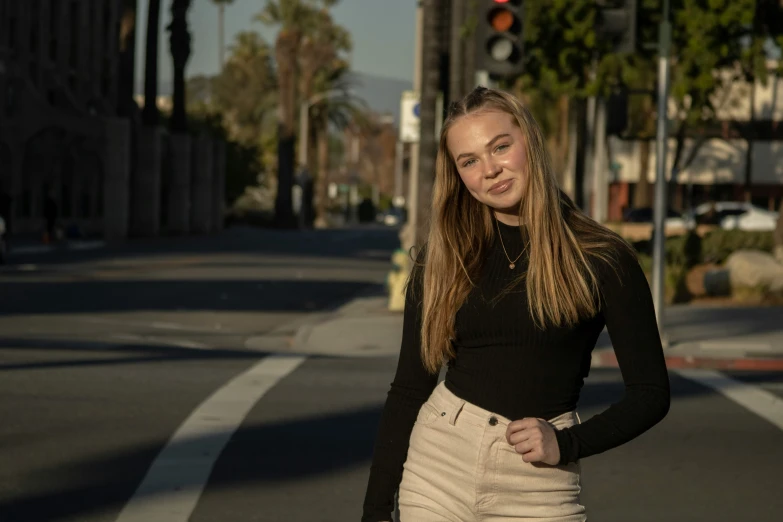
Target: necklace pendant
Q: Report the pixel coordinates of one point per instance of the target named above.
(512, 266)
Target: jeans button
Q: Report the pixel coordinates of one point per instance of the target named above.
(493, 421)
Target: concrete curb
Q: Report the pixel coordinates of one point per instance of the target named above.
(45, 249)
(608, 359)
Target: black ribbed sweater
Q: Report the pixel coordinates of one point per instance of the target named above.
(505, 364)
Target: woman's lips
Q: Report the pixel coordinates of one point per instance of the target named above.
(500, 186)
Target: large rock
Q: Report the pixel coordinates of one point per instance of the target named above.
(754, 269)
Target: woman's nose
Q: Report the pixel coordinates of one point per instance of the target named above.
(493, 169)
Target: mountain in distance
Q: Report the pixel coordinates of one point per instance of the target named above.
(382, 95)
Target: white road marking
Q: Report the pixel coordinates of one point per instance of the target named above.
(179, 343)
(735, 345)
(175, 480)
(155, 325)
(761, 402)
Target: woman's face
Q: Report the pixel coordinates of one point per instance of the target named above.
(490, 154)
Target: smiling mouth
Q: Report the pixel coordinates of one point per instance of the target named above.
(500, 186)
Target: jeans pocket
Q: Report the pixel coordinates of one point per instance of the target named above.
(427, 414)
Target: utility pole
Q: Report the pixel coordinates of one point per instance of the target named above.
(659, 211)
(435, 33)
(408, 232)
(457, 51)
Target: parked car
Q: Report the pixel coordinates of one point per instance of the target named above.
(645, 215)
(393, 217)
(734, 215)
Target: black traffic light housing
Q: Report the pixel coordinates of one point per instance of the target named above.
(499, 39)
(617, 22)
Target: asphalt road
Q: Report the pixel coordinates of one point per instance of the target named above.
(105, 355)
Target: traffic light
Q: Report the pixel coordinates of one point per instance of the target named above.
(499, 39)
(617, 22)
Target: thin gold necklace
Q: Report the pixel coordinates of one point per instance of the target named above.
(511, 264)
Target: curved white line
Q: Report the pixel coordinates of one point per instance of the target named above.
(176, 479)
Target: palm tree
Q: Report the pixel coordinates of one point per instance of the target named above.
(293, 18)
(221, 4)
(340, 111)
(321, 44)
(149, 114)
(244, 91)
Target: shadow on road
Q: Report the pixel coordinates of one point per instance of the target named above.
(257, 454)
(272, 453)
(357, 242)
(263, 295)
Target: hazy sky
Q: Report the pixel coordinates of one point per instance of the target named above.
(382, 31)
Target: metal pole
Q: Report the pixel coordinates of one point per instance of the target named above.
(659, 213)
(408, 232)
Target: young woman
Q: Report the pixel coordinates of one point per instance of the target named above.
(511, 292)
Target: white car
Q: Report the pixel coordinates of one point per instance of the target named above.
(735, 215)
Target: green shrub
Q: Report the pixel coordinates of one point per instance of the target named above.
(689, 250)
(684, 250)
(719, 244)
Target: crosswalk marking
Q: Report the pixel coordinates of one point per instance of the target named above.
(176, 479)
(761, 402)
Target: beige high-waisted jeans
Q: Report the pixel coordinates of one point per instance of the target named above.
(460, 468)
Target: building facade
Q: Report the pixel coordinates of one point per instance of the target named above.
(742, 160)
(71, 135)
(60, 74)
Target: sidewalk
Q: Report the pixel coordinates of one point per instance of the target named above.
(728, 338)
(27, 246)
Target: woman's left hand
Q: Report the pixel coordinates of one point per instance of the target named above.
(534, 439)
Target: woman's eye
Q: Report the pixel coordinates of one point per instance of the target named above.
(469, 163)
(502, 147)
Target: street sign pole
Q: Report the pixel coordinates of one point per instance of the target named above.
(659, 211)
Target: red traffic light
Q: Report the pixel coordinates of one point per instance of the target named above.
(502, 20)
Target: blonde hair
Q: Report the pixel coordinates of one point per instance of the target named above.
(562, 286)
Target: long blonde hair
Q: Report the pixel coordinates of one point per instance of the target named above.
(562, 285)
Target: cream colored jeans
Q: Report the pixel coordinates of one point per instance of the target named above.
(460, 468)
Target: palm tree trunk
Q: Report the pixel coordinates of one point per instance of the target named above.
(150, 113)
(285, 51)
(127, 65)
(322, 182)
(179, 43)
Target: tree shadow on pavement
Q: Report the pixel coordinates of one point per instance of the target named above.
(341, 243)
(72, 297)
(257, 455)
(272, 453)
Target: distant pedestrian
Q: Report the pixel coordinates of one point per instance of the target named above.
(511, 292)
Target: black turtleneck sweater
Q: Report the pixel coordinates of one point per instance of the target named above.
(505, 364)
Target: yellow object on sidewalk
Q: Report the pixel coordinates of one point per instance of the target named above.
(395, 281)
